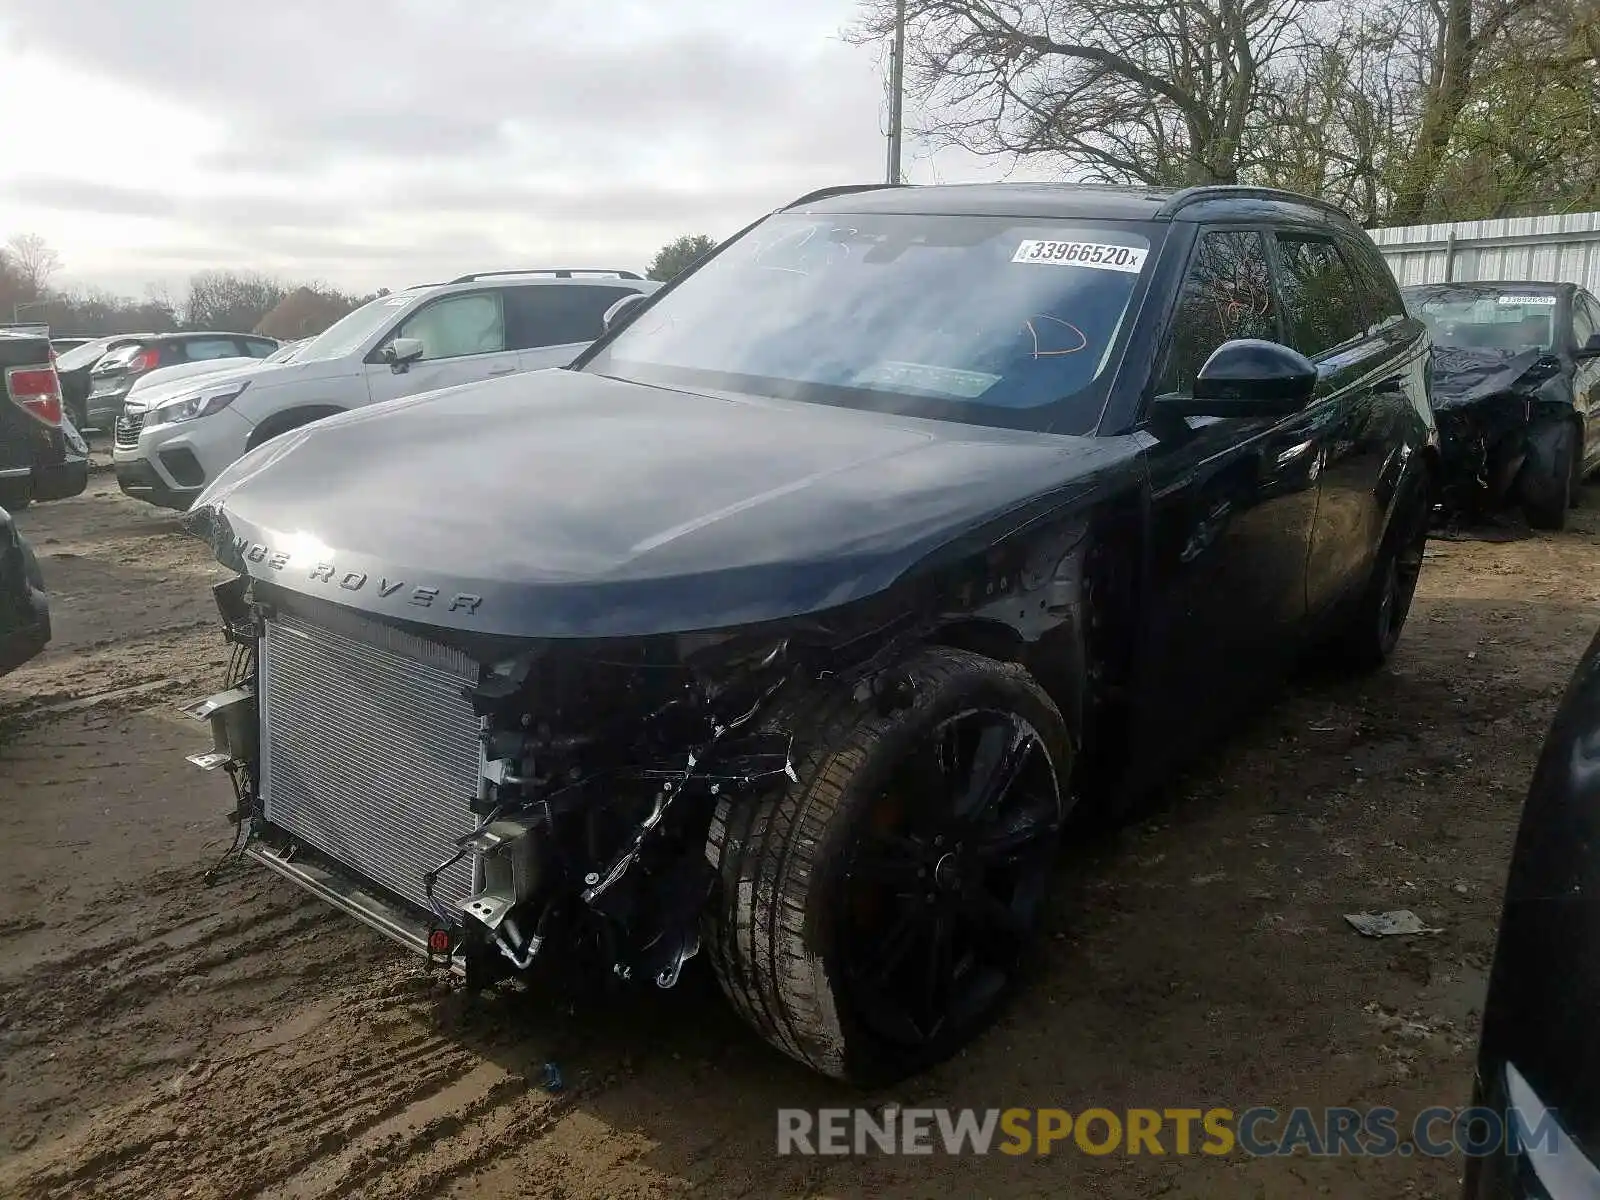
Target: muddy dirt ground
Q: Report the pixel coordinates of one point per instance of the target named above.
(163, 1037)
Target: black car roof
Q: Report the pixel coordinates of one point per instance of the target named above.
(1104, 201)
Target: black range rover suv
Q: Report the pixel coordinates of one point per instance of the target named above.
(792, 619)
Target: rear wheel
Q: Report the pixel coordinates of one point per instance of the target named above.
(873, 917)
(1373, 627)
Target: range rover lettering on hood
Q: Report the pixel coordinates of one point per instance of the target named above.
(421, 595)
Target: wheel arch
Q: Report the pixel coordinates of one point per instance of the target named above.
(289, 418)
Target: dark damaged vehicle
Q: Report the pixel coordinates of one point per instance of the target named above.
(1537, 1088)
(792, 619)
(1516, 393)
(42, 455)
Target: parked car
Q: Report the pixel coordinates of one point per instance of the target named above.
(793, 617)
(24, 606)
(473, 328)
(73, 367)
(1516, 392)
(115, 372)
(42, 457)
(1539, 1050)
(175, 378)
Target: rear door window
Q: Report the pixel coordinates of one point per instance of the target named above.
(557, 314)
(1227, 294)
(1584, 320)
(458, 325)
(258, 347)
(1380, 292)
(1322, 306)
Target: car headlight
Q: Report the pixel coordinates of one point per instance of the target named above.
(196, 404)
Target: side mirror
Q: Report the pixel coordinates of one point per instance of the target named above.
(1249, 378)
(1591, 348)
(619, 312)
(402, 352)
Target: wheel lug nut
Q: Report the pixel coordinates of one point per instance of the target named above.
(922, 872)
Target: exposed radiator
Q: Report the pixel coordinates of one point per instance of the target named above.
(369, 751)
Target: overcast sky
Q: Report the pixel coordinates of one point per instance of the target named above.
(385, 142)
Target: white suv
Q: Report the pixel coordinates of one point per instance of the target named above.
(171, 442)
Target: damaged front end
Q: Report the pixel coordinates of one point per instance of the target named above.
(493, 805)
(1488, 406)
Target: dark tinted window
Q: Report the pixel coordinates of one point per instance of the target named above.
(200, 349)
(1584, 320)
(1226, 295)
(1321, 306)
(1379, 290)
(556, 314)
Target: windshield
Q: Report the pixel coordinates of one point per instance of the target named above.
(351, 330)
(989, 320)
(1506, 321)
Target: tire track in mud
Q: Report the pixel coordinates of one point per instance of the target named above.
(375, 1092)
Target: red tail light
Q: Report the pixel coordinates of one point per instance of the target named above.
(145, 360)
(37, 391)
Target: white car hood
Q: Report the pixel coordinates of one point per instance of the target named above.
(164, 376)
(258, 373)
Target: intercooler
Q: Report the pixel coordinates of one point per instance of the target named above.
(369, 750)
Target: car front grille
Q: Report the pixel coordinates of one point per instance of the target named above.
(369, 750)
(127, 430)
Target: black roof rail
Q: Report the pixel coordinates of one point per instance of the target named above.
(842, 189)
(1222, 191)
(558, 272)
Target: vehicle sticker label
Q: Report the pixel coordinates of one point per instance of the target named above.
(1527, 299)
(1102, 256)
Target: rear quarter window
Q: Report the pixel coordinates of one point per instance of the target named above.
(558, 314)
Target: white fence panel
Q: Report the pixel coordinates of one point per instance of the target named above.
(1556, 249)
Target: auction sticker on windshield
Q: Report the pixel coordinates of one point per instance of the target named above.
(1102, 256)
(1527, 299)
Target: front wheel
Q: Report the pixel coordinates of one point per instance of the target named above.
(873, 917)
(1547, 481)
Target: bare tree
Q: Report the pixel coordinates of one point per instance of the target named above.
(1149, 91)
(32, 261)
(230, 300)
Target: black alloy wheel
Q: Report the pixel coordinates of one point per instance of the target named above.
(873, 915)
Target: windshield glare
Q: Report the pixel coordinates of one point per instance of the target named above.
(1507, 321)
(996, 321)
(348, 333)
(82, 356)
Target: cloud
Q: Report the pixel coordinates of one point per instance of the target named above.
(364, 141)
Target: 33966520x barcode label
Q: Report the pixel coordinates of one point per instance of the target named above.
(1102, 256)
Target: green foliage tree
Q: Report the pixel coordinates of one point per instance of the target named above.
(679, 254)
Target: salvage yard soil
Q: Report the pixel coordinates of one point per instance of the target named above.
(163, 1037)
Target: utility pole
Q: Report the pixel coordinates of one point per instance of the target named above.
(897, 74)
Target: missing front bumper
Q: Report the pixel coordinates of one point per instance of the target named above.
(351, 898)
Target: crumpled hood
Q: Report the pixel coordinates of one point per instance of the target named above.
(1462, 376)
(563, 504)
